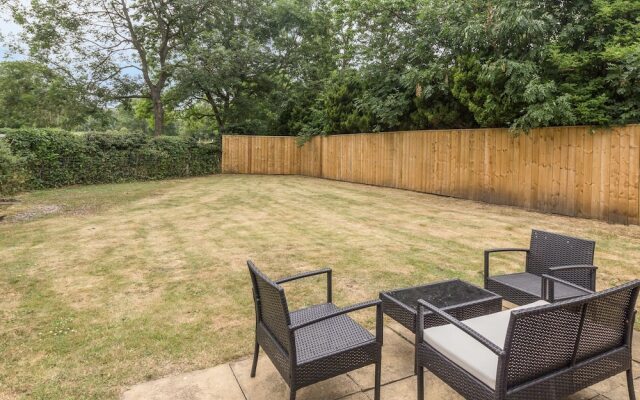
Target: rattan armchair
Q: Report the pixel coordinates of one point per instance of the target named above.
(565, 257)
(314, 343)
(541, 351)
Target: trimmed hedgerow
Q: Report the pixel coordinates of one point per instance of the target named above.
(55, 158)
(12, 174)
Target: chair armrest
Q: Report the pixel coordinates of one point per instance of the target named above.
(342, 311)
(309, 274)
(574, 267)
(506, 249)
(548, 283)
(457, 323)
(488, 252)
(582, 275)
(304, 275)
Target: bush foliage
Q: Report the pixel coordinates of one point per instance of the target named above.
(12, 175)
(55, 158)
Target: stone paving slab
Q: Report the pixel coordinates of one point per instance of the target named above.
(621, 392)
(356, 396)
(397, 362)
(406, 389)
(232, 381)
(609, 385)
(400, 330)
(269, 385)
(584, 394)
(396, 390)
(217, 383)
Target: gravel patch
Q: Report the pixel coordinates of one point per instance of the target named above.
(34, 213)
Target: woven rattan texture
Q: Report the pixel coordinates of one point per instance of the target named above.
(542, 343)
(578, 276)
(553, 250)
(328, 337)
(605, 324)
(272, 307)
(552, 351)
(511, 294)
(336, 364)
(573, 380)
(320, 350)
(549, 250)
(276, 353)
(407, 316)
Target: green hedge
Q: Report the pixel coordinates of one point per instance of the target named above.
(12, 174)
(55, 158)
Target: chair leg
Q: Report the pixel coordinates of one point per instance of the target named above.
(256, 350)
(376, 389)
(292, 396)
(420, 380)
(632, 393)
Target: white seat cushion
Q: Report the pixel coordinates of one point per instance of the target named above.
(467, 352)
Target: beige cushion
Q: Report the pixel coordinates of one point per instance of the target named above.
(467, 352)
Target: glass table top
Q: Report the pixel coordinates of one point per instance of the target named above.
(441, 295)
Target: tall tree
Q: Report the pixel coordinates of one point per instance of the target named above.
(227, 65)
(33, 95)
(307, 49)
(595, 59)
(526, 64)
(259, 65)
(117, 48)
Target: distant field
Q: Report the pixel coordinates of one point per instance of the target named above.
(110, 285)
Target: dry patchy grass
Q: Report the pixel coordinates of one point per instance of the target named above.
(124, 283)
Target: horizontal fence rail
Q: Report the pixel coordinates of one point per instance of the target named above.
(566, 170)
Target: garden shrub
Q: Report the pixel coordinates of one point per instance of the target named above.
(12, 175)
(55, 158)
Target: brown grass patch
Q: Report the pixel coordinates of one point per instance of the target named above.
(152, 281)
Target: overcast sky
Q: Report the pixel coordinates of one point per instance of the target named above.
(7, 29)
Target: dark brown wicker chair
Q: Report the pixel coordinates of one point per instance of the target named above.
(565, 257)
(546, 351)
(314, 343)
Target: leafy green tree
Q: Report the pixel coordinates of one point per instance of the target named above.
(386, 78)
(307, 50)
(361, 101)
(33, 95)
(595, 60)
(143, 110)
(493, 53)
(527, 64)
(116, 48)
(226, 66)
(192, 122)
(335, 66)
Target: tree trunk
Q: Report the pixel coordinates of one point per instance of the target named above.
(158, 113)
(216, 111)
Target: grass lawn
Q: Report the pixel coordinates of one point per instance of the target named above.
(107, 286)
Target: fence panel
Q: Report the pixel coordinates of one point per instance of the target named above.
(564, 170)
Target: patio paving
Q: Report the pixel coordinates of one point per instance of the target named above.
(232, 381)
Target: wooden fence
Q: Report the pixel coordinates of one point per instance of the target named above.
(567, 170)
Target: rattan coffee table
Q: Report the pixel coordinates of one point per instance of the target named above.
(458, 298)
